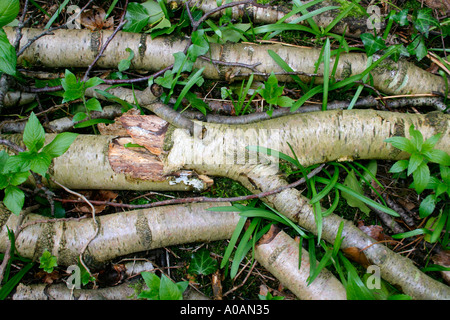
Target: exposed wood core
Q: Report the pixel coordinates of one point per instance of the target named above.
(147, 131)
(135, 162)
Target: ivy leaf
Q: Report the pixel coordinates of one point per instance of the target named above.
(181, 63)
(60, 144)
(9, 9)
(79, 116)
(423, 20)
(418, 48)
(14, 199)
(372, 43)
(48, 261)
(165, 81)
(137, 17)
(34, 134)
(154, 11)
(8, 58)
(401, 17)
(202, 263)
(125, 64)
(200, 45)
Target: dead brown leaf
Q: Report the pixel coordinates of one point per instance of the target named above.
(216, 284)
(374, 231)
(443, 259)
(356, 255)
(99, 195)
(442, 5)
(94, 19)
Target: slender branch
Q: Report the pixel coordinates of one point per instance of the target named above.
(203, 199)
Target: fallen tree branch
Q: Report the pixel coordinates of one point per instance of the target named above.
(119, 234)
(70, 48)
(279, 254)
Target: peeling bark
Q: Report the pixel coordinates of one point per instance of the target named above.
(78, 48)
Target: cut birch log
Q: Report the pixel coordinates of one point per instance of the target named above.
(279, 254)
(119, 234)
(353, 25)
(78, 48)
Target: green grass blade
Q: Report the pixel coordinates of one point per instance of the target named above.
(287, 68)
(233, 240)
(53, 18)
(364, 199)
(338, 18)
(188, 86)
(327, 189)
(334, 205)
(322, 264)
(338, 240)
(241, 249)
(326, 73)
(11, 284)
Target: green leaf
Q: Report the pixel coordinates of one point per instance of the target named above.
(416, 137)
(79, 116)
(60, 144)
(287, 68)
(9, 9)
(40, 163)
(154, 11)
(399, 166)
(401, 143)
(202, 263)
(285, 102)
(137, 18)
(372, 44)
(417, 47)
(19, 178)
(271, 90)
(192, 81)
(73, 89)
(181, 63)
(427, 206)
(353, 183)
(166, 81)
(429, 144)
(34, 134)
(401, 17)
(11, 284)
(93, 105)
(415, 160)
(48, 261)
(8, 58)
(153, 283)
(92, 122)
(200, 45)
(18, 163)
(423, 20)
(197, 103)
(93, 82)
(445, 174)
(413, 233)
(438, 156)
(14, 199)
(421, 177)
(169, 290)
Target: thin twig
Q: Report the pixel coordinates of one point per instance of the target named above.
(203, 199)
(97, 228)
